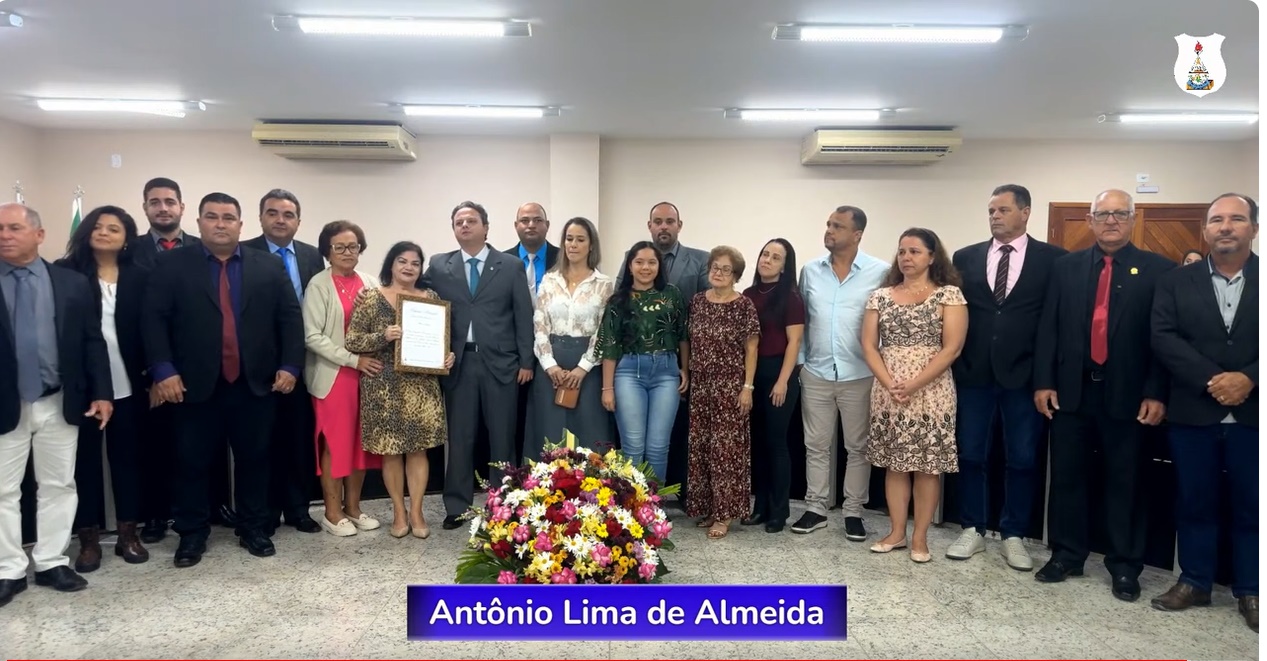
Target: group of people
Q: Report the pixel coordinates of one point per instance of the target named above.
(164, 340)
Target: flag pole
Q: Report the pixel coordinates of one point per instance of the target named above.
(76, 209)
(17, 193)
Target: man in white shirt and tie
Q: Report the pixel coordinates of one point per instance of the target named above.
(536, 253)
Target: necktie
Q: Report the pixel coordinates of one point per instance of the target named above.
(230, 363)
(475, 274)
(1000, 275)
(167, 244)
(668, 264)
(1100, 316)
(288, 258)
(26, 337)
(531, 270)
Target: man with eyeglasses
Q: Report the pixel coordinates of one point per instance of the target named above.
(1096, 380)
(292, 483)
(537, 254)
(1205, 332)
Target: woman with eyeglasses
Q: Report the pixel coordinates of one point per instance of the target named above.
(724, 332)
(333, 375)
(98, 249)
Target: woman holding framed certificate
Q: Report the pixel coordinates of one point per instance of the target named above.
(402, 409)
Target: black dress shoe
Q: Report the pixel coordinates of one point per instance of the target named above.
(62, 579)
(1055, 571)
(154, 531)
(1126, 588)
(756, 518)
(774, 526)
(190, 551)
(451, 522)
(10, 588)
(258, 545)
(304, 523)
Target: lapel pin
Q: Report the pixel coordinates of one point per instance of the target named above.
(1134, 271)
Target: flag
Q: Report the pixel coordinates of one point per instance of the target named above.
(76, 210)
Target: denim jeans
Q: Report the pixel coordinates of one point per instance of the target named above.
(1022, 429)
(646, 389)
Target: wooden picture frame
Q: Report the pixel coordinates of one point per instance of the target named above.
(401, 301)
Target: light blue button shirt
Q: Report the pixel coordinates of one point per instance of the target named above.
(833, 316)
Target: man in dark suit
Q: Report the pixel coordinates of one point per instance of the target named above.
(54, 376)
(163, 208)
(490, 329)
(1205, 332)
(223, 332)
(1095, 378)
(1005, 282)
(294, 469)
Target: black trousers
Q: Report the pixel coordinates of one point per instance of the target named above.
(158, 436)
(294, 460)
(771, 467)
(246, 420)
(1074, 437)
(123, 445)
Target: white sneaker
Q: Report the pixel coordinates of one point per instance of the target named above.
(343, 528)
(365, 522)
(969, 544)
(1016, 555)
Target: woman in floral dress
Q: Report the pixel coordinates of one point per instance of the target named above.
(913, 329)
(724, 331)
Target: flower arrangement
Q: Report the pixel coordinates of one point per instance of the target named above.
(575, 516)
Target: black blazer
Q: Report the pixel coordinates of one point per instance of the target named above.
(552, 254)
(999, 348)
(307, 258)
(181, 321)
(82, 360)
(144, 252)
(1064, 332)
(1192, 342)
(130, 295)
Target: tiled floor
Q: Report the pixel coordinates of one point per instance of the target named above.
(344, 598)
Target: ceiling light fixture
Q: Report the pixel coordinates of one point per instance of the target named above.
(9, 19)
(162, 108)
(901, 33)
(1180, 118)
(406, 27)
(808, 115)
(481, 112)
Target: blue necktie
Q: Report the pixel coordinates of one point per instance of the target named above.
(288, 258)
(26, 337)
(475, 274)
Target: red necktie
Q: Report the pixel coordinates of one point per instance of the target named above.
(1100, 316)
(229, 360)
(167, 244)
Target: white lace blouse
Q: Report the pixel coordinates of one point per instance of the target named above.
(575, 314)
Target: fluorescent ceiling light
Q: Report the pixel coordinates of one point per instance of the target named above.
(163, 108)
(9, 19)
(408, 27)
(1181, 118)
(931, 34)
(481, 112)
(808, 115)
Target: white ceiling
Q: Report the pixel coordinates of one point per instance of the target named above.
(630, 68)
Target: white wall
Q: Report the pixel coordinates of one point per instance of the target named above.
(19, 161)
(737, 192)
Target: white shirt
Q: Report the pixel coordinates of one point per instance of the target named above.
(482, 256)
(1014, 262)
(575, 314)
(118, 371)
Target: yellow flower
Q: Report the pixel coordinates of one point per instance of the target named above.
(589, 484)
(636, 530)
(540, 492)
(628, 547)
(604, 497)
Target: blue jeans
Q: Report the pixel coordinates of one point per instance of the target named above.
(1200, 456)
(646, 389)
(1022, 425)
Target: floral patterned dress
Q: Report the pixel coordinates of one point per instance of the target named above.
(918, 436)
(718, 445)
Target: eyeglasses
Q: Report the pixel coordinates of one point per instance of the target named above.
(1101, 217)
(724, 270)
(352, 249)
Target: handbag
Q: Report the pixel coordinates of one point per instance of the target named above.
(566, 397)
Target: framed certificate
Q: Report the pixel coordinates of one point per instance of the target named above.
(424, 335)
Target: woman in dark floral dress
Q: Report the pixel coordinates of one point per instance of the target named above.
(913, 329)
(724, 332)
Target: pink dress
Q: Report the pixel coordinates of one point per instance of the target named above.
(339, 414)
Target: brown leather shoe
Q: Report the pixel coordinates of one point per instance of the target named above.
(1181, 597)
(89, 559)
(1248, 606)
(129, 545)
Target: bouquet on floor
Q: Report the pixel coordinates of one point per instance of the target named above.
(575, 516)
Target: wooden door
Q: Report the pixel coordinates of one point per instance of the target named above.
(1166, 229)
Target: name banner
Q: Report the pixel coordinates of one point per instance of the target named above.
(627, 612)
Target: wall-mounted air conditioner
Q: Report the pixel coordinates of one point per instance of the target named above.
(878, 147)
(336, 141)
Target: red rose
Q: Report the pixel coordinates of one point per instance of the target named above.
(572, 529)
(613, 528)
(501, 549)
(568, 484)
(652, 541)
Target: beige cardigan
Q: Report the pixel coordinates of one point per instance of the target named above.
(323, 333)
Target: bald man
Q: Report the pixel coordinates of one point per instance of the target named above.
(537, 254)
(1096, 379)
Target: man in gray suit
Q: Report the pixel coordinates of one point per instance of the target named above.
(490, 330)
